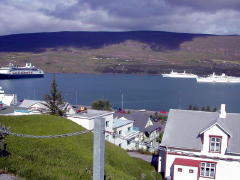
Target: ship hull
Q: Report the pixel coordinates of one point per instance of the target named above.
(218, 81)
(178, 76)
(19, 76)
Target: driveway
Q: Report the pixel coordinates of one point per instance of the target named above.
(144, 157)
(8, 177)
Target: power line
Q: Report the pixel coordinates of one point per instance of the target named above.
(49, 136)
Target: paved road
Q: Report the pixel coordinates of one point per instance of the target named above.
(144, 157)
(8, 177)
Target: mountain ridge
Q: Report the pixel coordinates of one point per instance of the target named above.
(144, 52)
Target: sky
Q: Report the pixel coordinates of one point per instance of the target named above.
(189, 16)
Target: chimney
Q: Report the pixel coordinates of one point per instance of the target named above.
(223, 113)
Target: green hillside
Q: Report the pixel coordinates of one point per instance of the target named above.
(63, 158)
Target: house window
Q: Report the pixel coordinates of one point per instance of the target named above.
(129, 129)
(107, 123)
(179, 169)
(128, 142)
(190, 170)
(208, 169)
(215, 144)
(120, 145)
(120, 132)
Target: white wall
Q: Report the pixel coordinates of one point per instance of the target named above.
(122, 141)
(225, 170)
(185, 175)
(88, 123)
(84, 122)
(7, 98)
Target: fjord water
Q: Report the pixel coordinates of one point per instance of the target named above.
(152, 92)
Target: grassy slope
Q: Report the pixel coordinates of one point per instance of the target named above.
(62, 158)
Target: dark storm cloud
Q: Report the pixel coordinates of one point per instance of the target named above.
(195, 16)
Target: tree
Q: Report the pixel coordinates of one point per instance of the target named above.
(195, 108)
(208, 109)
(54, 100)
(101, 104)
(190, 107)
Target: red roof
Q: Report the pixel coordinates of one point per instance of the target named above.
(186, 162)
(163, 112)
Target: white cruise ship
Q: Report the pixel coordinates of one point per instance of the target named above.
(13, 72)
(213, 78)
(173, 74)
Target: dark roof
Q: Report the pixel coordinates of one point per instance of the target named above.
(140, 120)
(184, 127)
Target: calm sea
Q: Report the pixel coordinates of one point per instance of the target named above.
(139, 91)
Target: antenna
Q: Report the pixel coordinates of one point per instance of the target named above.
(76, 96)
(122, 101)
(34, 94)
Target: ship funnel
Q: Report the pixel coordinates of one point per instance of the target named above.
(223, 113)
(28, 65)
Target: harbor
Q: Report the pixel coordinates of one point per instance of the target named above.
(151, 92)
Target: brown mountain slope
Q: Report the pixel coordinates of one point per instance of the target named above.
(126, 52)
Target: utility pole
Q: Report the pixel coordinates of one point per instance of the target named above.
(122, 101)
(98, 149)
(76, 97)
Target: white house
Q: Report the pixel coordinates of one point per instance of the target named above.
(124, 134)
(38, 106)
(149, 130)
(7, 99)
(199, 145)
(119, 132)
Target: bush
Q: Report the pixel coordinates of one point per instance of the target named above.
(102, 104)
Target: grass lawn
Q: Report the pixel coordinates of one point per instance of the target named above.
(63, 158)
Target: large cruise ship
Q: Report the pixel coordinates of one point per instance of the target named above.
(14, 72)
(173, 74)
(213, 78)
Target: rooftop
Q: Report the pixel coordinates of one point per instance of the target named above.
(26, 103)
(176, 135)
(120, 122)
(140, 119)
(92, 113)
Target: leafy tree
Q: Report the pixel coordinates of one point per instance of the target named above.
(195, 108)
(54, 100)
(102, 104)
(208, 109)
(190, 107)
(214, 109)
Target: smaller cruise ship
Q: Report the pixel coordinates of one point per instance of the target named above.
(13, 72)
(173, 74)
(213, 78)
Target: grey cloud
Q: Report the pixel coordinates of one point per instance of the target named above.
(207, 5)
(111, 15)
